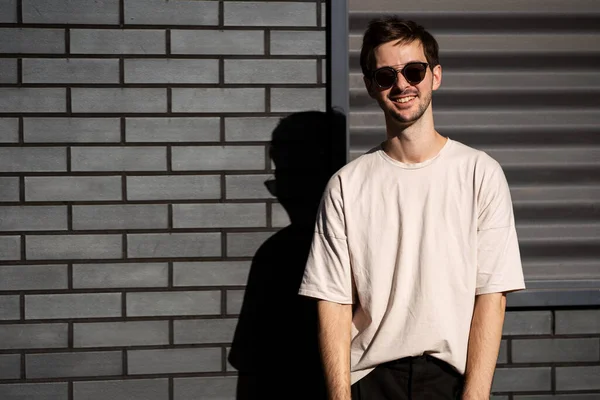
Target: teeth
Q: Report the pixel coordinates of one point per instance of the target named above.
(404, 99)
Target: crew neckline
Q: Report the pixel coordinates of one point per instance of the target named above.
(422, 164)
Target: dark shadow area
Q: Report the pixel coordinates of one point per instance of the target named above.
(275, 348)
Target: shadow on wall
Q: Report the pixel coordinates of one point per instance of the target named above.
(275, 346)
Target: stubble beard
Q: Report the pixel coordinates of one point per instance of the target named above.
(396, 115)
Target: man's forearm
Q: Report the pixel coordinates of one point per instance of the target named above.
(334, 340)
(484, 343)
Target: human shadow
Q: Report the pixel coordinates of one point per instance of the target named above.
(275, 347)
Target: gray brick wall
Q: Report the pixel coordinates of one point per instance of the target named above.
(133, 151)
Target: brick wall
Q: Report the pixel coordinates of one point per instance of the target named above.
(549, 355)
(133, 154)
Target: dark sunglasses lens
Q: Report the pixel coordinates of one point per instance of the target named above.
(414, 73)
(385, 77)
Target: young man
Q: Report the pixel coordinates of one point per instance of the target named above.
(415, 245)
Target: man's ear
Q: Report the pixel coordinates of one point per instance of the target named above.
(437, 77)
(369, 85)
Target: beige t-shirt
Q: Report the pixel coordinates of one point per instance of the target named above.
(410, 245)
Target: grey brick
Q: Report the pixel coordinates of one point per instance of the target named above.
(8, 70)
(521, 379)
(270, 71)
(235, 299)
(555, 350)
(17, 100)
(165, 12)
(119, 158)
(59, 365)
(298, 42)
(33, 277)
(8, 11)
(245, 244)
(578, 378)
(9, 128)
(247, 187)
(174, 245)
(204, 331)
(215, 158)
(170, 361)
(32, 40)
(228, 366)
(174, 187)
(577, 322)
(217, 42)
(173, 303)
(270, 13)
(592, 396)
(10, 366)
(120, 275)
(9, 308)
(324, 71)
(323, 14)
(33, 159)
(34, 218)
(71, 130)
(172, 129)
(210, 273)
(10, 248)
(130, 389)
(92, 305)
(71, 12)
(56, 247)
(291, 100)
(37, 336)
(131, 333)
(279, 217)
(171, 71)
(117, 41)
(528, 323)
(54, 70)
(9, 189)
(503, 353)
(219, 215)
(118, 100)
(147, 216)
(73, 188)
(209, 388)
(219, 100)
(250, 129)
(37, 391)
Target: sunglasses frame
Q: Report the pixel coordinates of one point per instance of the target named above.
(396, 71)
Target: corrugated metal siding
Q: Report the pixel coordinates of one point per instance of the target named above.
(522, 82)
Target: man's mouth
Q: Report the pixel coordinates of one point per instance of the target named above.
(403, 99)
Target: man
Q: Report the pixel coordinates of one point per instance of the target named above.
(415, 245)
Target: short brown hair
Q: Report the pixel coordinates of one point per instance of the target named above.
(383, 30)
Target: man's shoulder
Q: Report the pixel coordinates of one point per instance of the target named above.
(477, 158)
(360, 163)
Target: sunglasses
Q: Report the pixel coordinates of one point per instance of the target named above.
(386, 77)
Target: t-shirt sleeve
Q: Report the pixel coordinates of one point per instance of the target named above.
(327, 275)
(499, 266)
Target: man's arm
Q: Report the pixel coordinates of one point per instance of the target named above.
(335, 322)
(484, 343)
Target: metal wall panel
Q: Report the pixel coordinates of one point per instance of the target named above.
(522, 82)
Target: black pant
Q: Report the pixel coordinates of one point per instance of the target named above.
(410, 378)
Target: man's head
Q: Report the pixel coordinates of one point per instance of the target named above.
(399, 61)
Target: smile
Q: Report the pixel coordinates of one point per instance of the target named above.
(403, 99)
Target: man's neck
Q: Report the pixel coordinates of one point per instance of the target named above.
(413, 144)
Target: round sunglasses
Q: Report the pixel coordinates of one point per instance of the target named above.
(386, 77)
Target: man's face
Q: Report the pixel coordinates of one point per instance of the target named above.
(404, 102)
